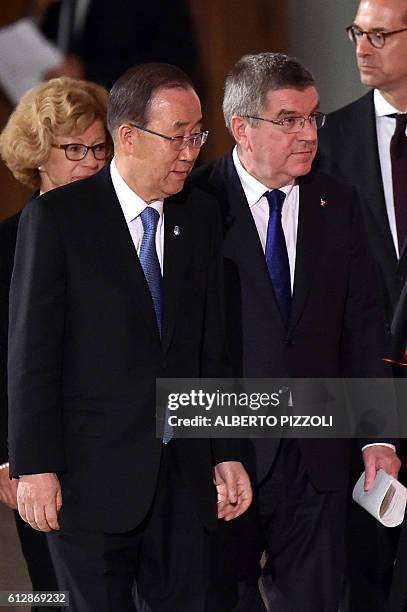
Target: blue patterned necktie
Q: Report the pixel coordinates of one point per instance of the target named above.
(276, 254)
(152, 271)
(149, 259)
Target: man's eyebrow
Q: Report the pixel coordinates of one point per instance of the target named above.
(181, 124)
(379, 29)
(285, 112)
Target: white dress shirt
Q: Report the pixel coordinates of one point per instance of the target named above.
(259, 207)
(385, 127)
(132, 206)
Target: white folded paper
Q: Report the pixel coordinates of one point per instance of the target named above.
(386, 500)
(25, 55)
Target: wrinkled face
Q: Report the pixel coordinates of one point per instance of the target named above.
(272, 156)
(58, 170)
(156, 170)
(384, 68)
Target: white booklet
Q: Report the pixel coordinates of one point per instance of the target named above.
(25, 55)
(386, 500)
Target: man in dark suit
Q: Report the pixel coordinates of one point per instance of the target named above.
(357, 144)
(355, 141)
(108, 37)
(301, 301)
(93, 323)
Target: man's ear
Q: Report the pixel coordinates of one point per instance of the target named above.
(239, 128)
(126, 137)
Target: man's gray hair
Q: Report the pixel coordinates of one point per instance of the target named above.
(249, 81)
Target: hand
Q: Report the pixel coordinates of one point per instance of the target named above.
(70, 67)
(233, 489)
(39, 500)
(8, 489)
(376, 457)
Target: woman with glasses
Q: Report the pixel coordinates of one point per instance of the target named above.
(57, 134)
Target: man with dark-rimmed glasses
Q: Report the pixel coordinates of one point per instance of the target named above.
(365, 143)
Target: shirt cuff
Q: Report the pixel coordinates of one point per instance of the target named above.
(379, 444)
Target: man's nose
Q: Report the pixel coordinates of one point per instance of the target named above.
(189, 152)
(308, 132)
(363, 46)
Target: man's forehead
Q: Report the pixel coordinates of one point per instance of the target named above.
(291, 99)
(178, 106)
(382, 13)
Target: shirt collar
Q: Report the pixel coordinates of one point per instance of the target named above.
(132, 205)
(253, 188)
(382, 107)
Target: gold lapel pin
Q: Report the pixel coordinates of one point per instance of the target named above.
(322, 202)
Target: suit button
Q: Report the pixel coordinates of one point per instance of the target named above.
(289, 342)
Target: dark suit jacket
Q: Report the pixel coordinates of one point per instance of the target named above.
(348, 150)
(84, 350)
(118, 34)
(8, 235)
(336, 320)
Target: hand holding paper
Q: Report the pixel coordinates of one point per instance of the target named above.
(385, 500)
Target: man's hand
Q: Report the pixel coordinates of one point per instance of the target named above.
(71, 66)
(233, 488)
(39, 500)
(376, 457)
(8, 489)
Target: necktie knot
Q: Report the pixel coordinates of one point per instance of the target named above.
(149, 218)
(275, 199)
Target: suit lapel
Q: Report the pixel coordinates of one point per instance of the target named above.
(242, 244)
(116, 245)
(363, 151)
(310, 226)
(175, 228)
(369, 172)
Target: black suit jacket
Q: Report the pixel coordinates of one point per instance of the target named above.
(348, 150)
(84, 350)
(8, 235)
(336, 321)
(118, 34)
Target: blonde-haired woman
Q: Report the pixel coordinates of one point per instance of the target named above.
(57, 134)
(38, 142)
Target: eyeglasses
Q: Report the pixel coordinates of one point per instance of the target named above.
(376, 39)
(290, 125)
(179, 142)
(76, 151)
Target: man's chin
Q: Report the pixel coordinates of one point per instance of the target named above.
(303, 168)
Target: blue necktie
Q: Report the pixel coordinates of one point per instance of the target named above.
(152, 271)
(149, 259)
(276, 254)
